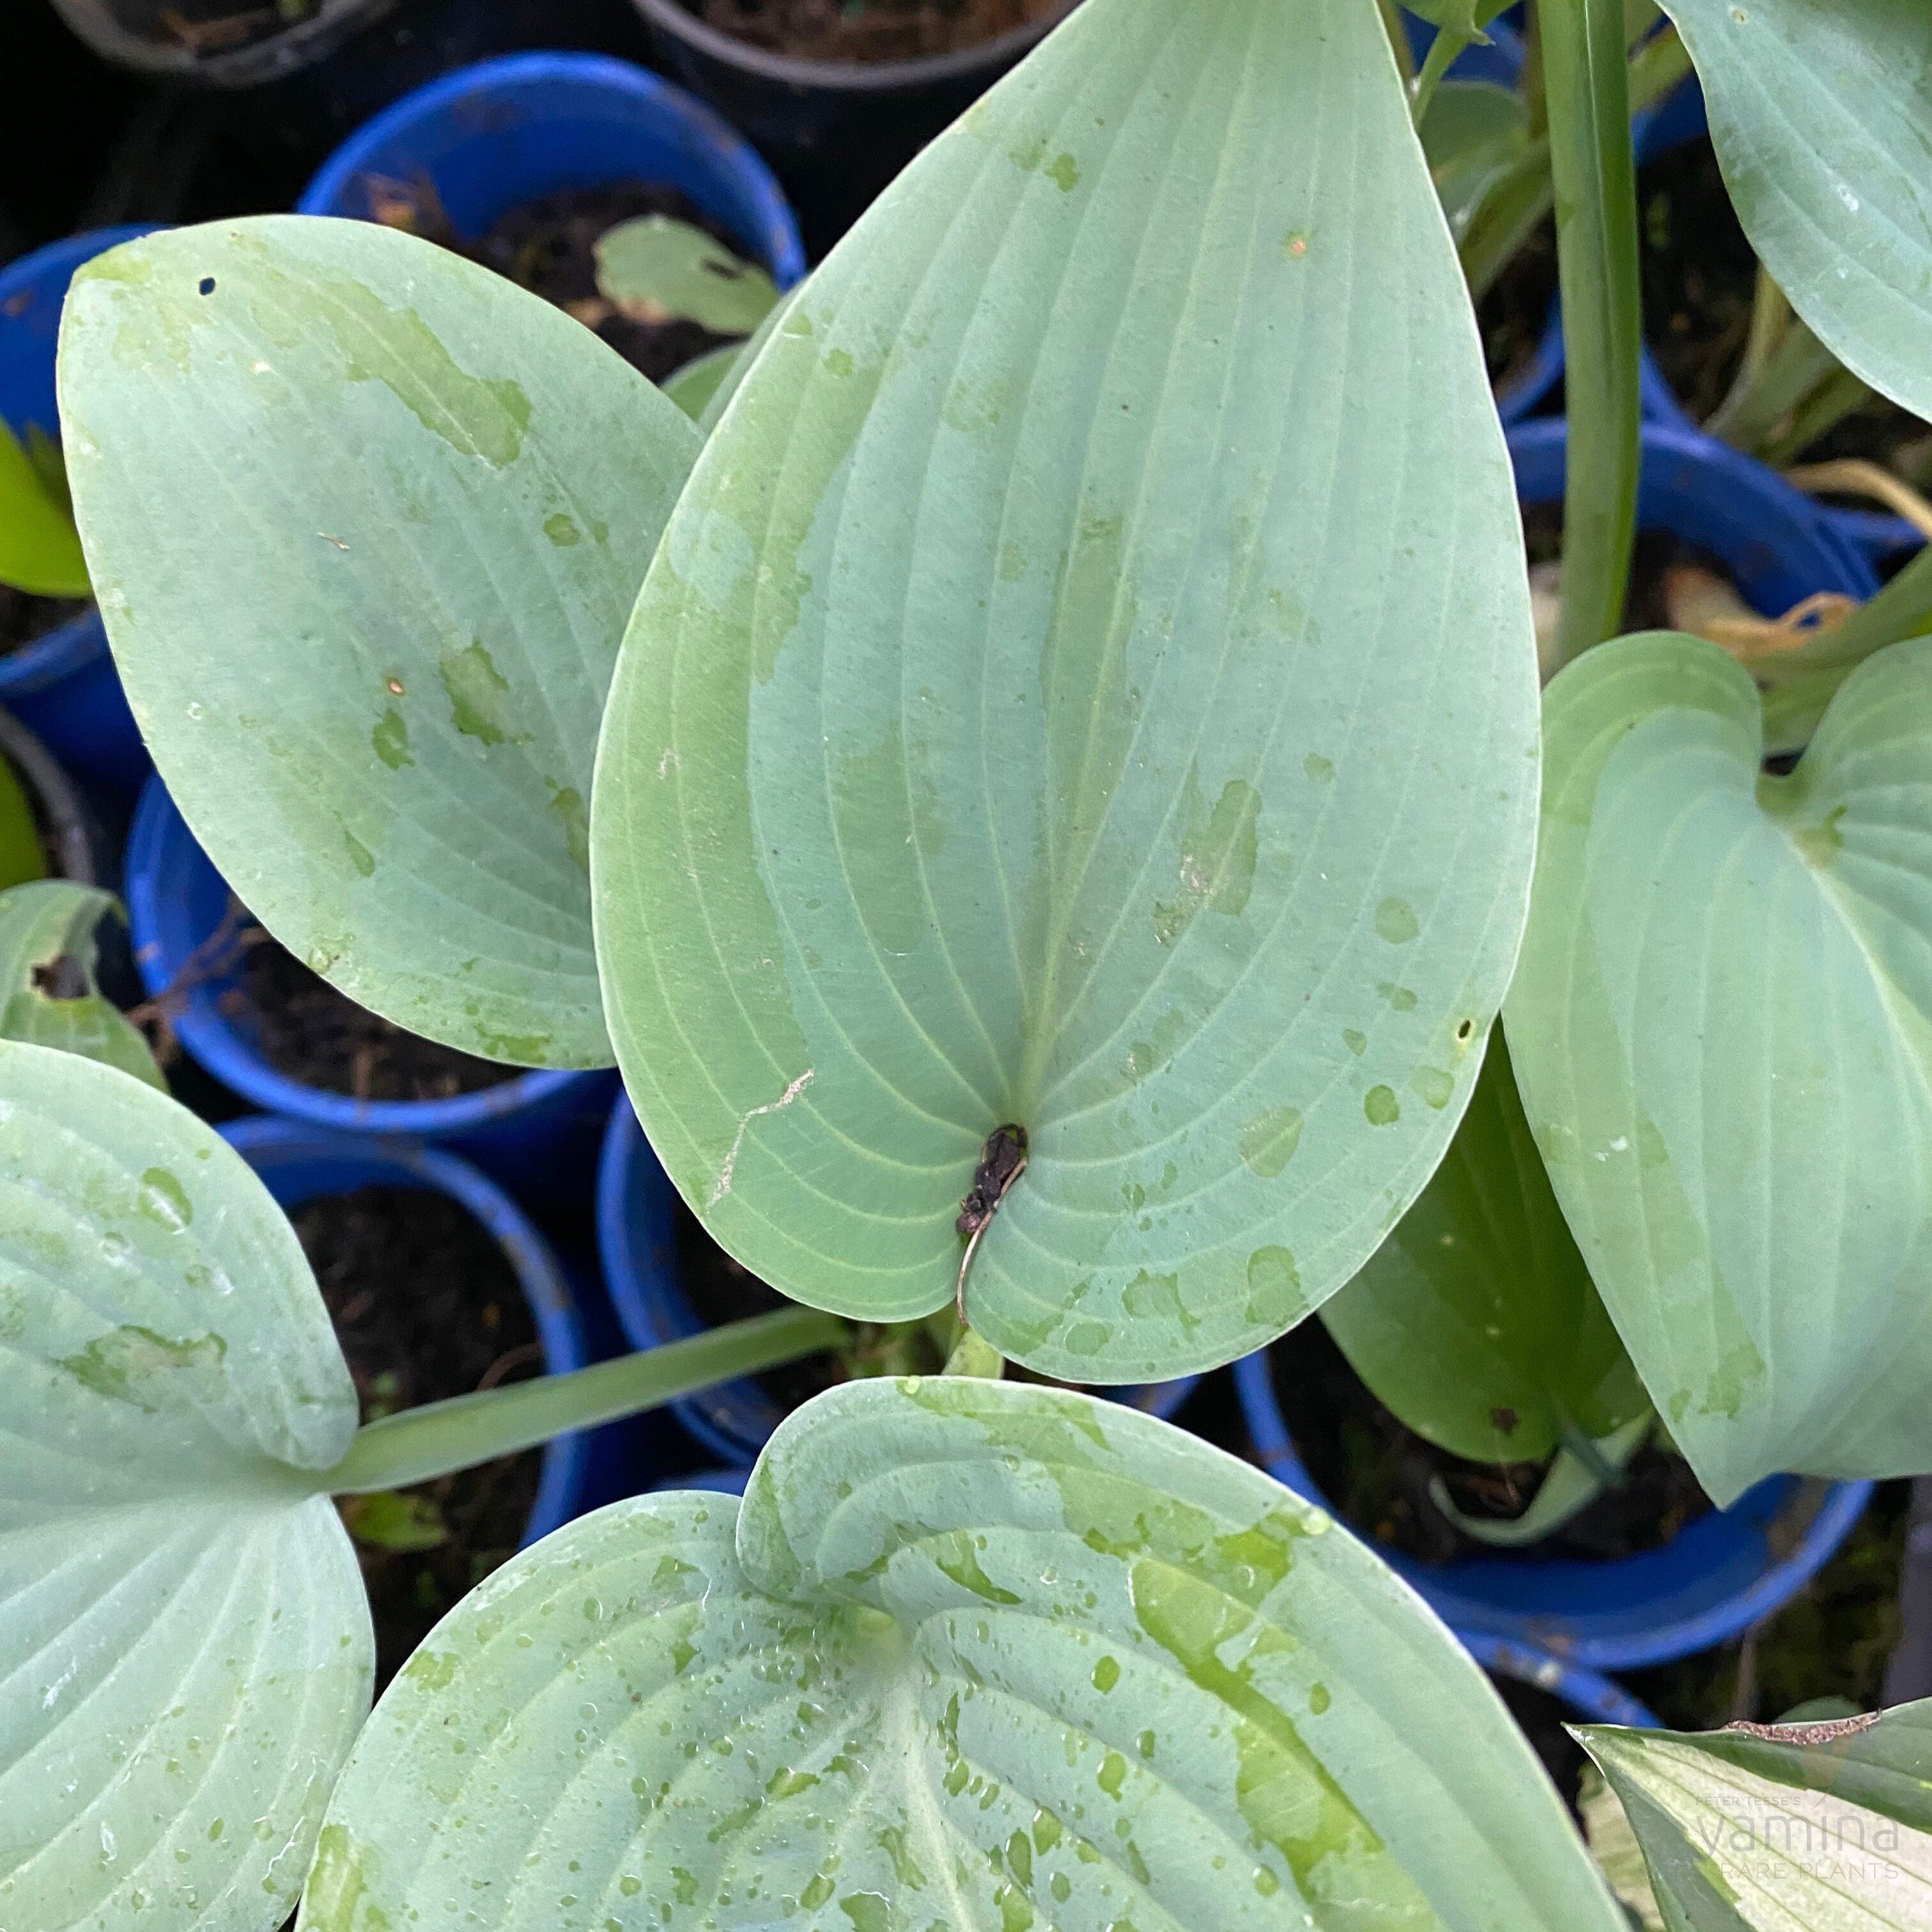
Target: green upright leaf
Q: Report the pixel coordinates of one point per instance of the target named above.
(185, 1653)
(1572, 1483)
(693, 387)
(1783, 1828)
(974, 1656)
(366, 521)
(1476, 1321)
(658, 270)
(1593, 173)
(1087, 686)
(48, 996)
(1819, 114)
(40, 549)
(1466, 17)
(1475, 134)
(23, 852)
(1722, 1028)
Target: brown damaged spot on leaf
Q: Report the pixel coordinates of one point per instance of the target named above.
(62, 977)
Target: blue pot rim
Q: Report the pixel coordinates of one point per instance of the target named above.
(327, 190)
(59, 653)
(1843, 567)
(1599, 1698)
(552, 1308)
(733, 1419)
(204, 1029)
(1775, 1585)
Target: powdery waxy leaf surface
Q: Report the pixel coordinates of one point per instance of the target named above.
(1819, 114)
(973, 1656)
(1088, 685)
(365, 522)
(48, 994)
(1476, 1321)
(1722, 1029)
(185, 1653)
(1786, 1828)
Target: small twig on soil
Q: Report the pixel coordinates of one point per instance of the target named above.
(1001, 1163)
(509, 1362)
(215, 957)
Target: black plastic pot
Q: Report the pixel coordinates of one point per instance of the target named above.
(287, 99)
(835, 132)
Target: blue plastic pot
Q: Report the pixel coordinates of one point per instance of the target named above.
(637, 1242)
(1714, 1579)
(491, 136)
(63, 685)
(298, 1162)
(1592, 1695)
(1778, 545)
(537, 1133)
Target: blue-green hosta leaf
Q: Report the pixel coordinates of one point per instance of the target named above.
(656, 269)
(365, 522)
(1476, 1321)
(1722, 1029)
(48, 995)
(974, 1656)
(695, 387)
(1819, 115)
(185, 1653)
(1088, 684)
(1467, 17)
(1784, 1828)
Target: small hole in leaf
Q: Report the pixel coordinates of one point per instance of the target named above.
(208, 285)
(1465, 1032)
(62, 977)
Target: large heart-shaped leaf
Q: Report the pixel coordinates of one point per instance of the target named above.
(1722, 1028)
(185, 1653)
(1784, 1828)
(365, 521)
(1476, 1321)
(1087, 685)
(48, 993)
(974, 1656)
(1819, 114)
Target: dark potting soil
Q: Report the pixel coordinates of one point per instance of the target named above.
(426, 1306)
(206, 27)
(1699, 283)
(549, 246)
(868, 30)
(722, 1289)
(23, 618)
(307, 1030)
(1700, 274)
(1541, 1718)
(1514, 315)
(1377, 1473)
(1831, 1640)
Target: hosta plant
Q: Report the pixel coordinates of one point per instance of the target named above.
(1038, 790)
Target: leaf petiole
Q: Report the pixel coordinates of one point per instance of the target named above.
(440, 1437)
